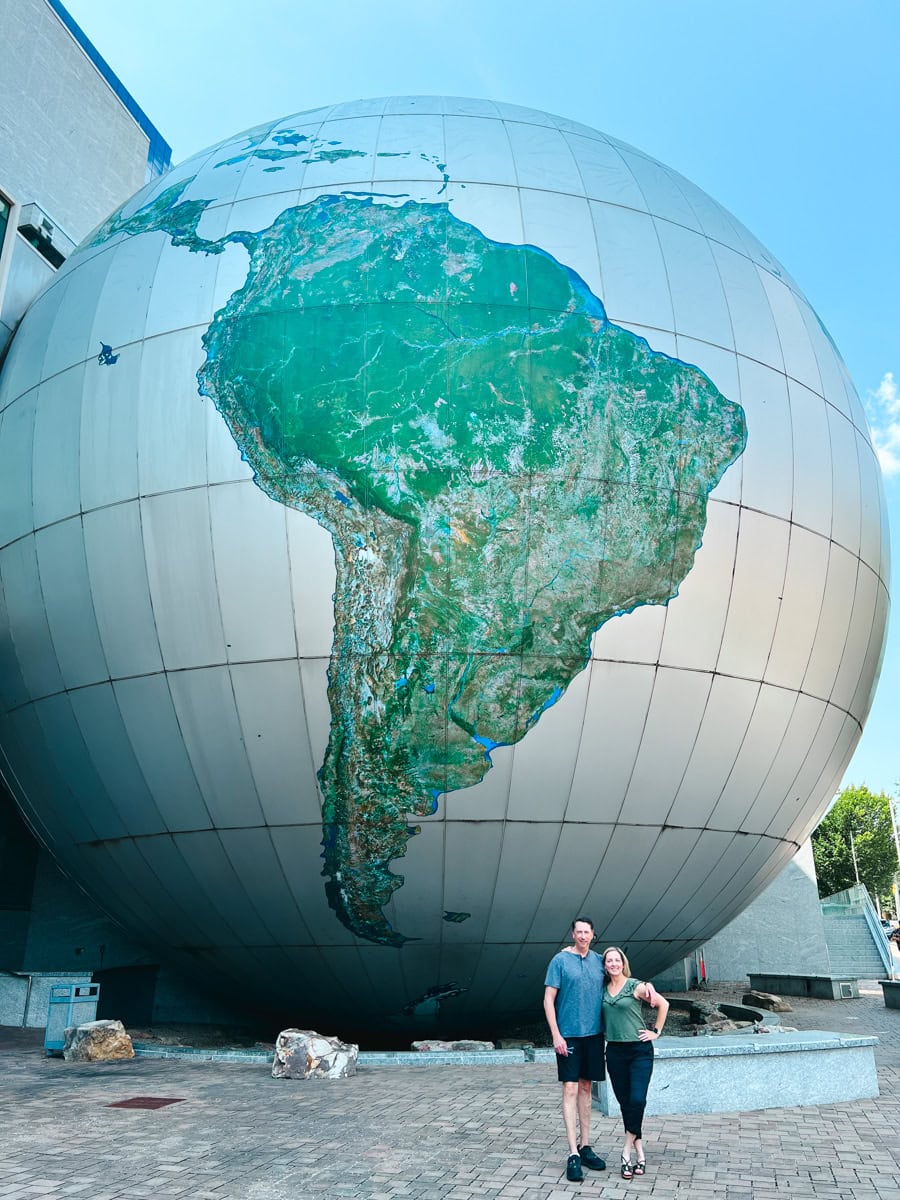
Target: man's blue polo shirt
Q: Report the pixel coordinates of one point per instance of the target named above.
(580, 992)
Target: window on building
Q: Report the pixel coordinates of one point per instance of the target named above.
(5, 207)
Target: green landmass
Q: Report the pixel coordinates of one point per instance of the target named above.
(277, 154)
(501, 470)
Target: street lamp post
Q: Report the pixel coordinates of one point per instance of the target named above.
(853, 852)
(897, 847)
(894, 882)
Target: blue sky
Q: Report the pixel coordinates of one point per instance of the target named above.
(788, 114)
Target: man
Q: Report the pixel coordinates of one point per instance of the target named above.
(573, 995)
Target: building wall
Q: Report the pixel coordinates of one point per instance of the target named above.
(66, 142)
(781, 932)
(18, 861)
(29, 272)
(6, 324)
(65, 932)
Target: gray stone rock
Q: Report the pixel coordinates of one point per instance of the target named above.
(464, 1044)
(725, 1025)
(97, 1041)
(514, 1044)
(766, 1000)
(305, 1054)
(703, 1011)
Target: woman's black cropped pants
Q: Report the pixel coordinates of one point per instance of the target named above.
(630, 1065)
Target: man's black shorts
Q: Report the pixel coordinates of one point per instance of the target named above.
(584, 1060)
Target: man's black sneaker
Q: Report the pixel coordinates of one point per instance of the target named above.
(590, 1159)
(574, 1173)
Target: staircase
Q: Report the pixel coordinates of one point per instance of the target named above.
(857, 945)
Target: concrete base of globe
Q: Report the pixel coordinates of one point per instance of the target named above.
(740, 1074)
(24, 998)
(891, 989)
(818, 987)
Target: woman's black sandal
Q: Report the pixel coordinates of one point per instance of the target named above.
(627, 1169)
(640, 1166)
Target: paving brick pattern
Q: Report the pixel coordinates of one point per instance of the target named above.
(447, 1133)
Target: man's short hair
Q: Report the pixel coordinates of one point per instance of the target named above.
(582, 921)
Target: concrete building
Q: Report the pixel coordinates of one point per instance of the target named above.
(781, 933)
(73, 145)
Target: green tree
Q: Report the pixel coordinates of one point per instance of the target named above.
(868, 817)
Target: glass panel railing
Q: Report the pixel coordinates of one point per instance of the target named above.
(850, 900)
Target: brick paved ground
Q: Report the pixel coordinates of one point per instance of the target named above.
(442, 1133)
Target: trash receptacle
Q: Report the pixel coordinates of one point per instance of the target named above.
(70, 1004)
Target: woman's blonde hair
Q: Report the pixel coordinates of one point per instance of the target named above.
(626, 968)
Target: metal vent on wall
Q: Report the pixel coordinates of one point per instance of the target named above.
(47, 238)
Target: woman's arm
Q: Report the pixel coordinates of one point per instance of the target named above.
(647, 992)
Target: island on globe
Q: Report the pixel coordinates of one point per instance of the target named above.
(429, 473)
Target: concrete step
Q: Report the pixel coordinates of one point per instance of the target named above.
(852, 948)
(869, 968)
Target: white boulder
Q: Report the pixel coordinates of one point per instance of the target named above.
(305, 1054)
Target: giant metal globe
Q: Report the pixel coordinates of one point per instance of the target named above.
(424, 521)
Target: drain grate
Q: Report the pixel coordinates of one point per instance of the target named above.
(145, 1102)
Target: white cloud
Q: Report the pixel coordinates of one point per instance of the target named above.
(883, 409)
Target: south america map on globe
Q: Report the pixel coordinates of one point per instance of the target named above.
(500, 467)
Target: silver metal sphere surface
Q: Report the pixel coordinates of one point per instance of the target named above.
(423, 521)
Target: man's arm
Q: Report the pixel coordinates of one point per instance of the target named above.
(559, 1042)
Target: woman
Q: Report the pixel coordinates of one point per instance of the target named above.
(629, 1048)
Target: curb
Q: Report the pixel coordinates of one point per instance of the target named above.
(367, 1058)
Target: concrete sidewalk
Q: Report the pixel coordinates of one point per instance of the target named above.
(442, 1133)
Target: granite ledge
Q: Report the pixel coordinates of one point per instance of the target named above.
(712, 1046)
(819, 987)
(723, 1045)
(367, 1058)
(745, 1074)
(154, 1050)
(426, 1058)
